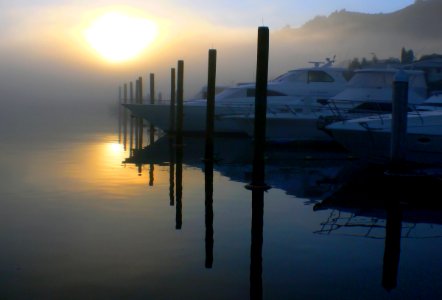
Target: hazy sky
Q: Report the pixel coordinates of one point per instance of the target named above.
(275, 13)
(43, 45)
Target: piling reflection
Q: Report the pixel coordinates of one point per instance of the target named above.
(171, 172)
(256, 244)
(208, 186)
(392, 244)
(179, 187)
(362, 207)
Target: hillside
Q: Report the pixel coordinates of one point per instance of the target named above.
(352, 34)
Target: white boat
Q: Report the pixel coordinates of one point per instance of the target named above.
(318, 83)
(370, 91)
(369, 137)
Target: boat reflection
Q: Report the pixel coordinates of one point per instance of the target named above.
(372, 204)
(304, 171)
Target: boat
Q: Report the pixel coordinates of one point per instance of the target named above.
(368, 92)
(432, 66)
(369, 137)
(318, 83)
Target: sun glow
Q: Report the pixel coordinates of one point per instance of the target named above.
(119, 37)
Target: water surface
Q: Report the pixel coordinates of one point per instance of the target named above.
(85, 218)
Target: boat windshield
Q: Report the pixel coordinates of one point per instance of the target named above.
(231, 93)
(300, 76)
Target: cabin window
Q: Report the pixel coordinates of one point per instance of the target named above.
(319, 76)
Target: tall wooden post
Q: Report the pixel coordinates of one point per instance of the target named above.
(260, 109)
(125, 117)
(131, 125)
(119, 114)
(210, 112)
(399, 121)
(136, 121)
(152, 101)
(172, 100)
(140, 120)
(180, 103)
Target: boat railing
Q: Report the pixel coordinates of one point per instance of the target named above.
(354, 224)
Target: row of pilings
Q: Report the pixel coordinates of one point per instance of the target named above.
(133, 95)
(136, 124)
(257, 185)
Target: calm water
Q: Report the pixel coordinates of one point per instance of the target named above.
(83, 219)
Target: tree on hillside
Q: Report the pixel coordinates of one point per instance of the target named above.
(407, 56)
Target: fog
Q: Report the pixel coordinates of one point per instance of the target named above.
(51, 64)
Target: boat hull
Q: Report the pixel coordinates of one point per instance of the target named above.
(194, 117)
(288, 127)
(371, 137)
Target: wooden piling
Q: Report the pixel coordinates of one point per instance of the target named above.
(152, 101)
(208, 157)
(137, 101)
(119, 114)
(152, 88)
(172, 100)
(260, 109)
(399, 121)
(140, 120)
(125, 117)
(131, 124)
(210, 111)
(180, 103)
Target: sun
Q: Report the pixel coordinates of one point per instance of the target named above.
(119, 37)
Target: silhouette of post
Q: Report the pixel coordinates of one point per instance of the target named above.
(210, 112)
(260, 110)
(131, 125)
(119, 115)
(172, 100)
(125, 117)
(136, 121)
(140, 120)
(180, 108)
(399, 121)
(208, 158)
(152, 101)
(392, 244)
(208, 180)
(256, 244)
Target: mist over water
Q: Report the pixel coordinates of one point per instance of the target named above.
(80, 219)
